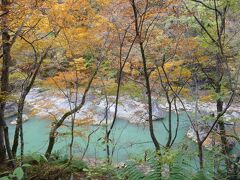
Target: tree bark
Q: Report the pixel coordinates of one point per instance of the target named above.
(200, 155)
(168, 145)
(6, 59)
(56, 125)
(18, 126)
(222, 129)
(26, 89)
(146, 76)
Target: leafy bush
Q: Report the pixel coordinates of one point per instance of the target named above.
(78, 165)
(35, 158)
(17, 173)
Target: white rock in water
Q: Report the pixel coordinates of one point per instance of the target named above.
(10, 110)
(191, 134)
(24, 119)
(235, 115)
(227, 117)
(158, 113)
(48, 103)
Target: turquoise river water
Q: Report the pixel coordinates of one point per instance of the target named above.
(131, 140)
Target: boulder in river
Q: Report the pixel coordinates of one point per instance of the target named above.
(10, 110)
(235, 115)
(158, 113)
(24, 119)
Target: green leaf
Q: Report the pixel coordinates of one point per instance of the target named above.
(85, 169)
(26, 165)
(44, 158)
(36, 157)
(18, 172)
(4, 178)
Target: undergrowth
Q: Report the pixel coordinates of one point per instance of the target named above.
(172, 165)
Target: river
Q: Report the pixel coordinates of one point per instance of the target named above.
(130, 140)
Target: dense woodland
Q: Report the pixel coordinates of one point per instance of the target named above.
(172, 64)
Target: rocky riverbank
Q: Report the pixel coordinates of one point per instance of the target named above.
(52, 104)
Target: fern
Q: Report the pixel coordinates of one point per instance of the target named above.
(131, 172)
(180, 169)
(156, 169)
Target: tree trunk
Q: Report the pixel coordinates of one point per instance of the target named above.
(18, 126)
(222, 130)
(25, 90)
(146, 76)
(168, 145)
(6, 58)
(2, 145)
(56, 125)
(138, 32)
(200, 155)
(50, 143)
(221, 125)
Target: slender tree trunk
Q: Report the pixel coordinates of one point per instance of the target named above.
(146, 76)
(106, 128)
(168, 145)
(219, 103)
(56, 125)
(115, 112)
(25, 90)
(138, 31)
(169, 130)
(149, 95)
(177, 114)
(2, 144)
(18, 126)
(51, 142)
(221, 125)
(6, 58)
(119, 79)
(200, 155)
(8, 146)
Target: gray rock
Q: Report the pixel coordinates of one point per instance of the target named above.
(158, 112)
(10, 110)
(231, 143)
(24, 119)
(235, 115)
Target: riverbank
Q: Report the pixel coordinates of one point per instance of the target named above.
(53, 104)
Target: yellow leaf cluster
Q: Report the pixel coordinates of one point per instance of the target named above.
(79, 64)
